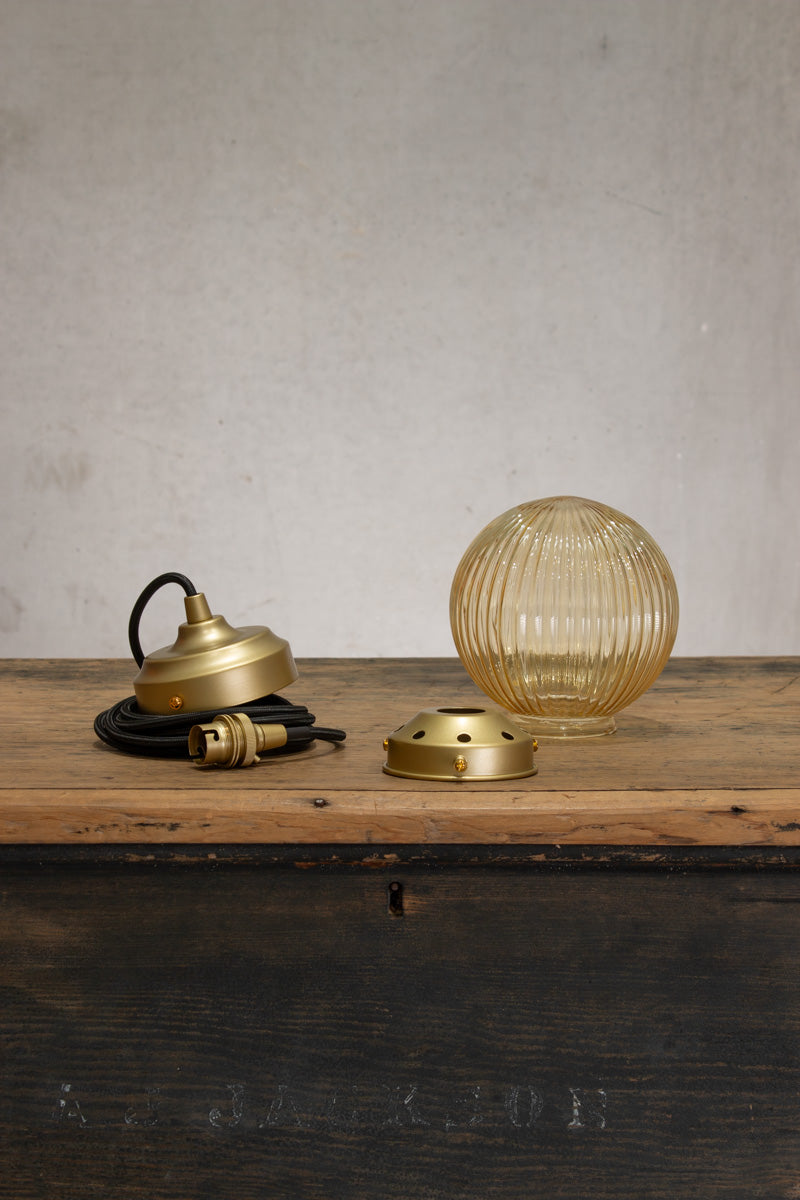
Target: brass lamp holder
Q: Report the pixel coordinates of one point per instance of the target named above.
(459, 744)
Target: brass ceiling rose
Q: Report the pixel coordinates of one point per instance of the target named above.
(460, 743)
(211, 665)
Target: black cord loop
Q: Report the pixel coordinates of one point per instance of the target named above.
(139, 607)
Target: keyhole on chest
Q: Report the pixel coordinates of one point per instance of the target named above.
(395, 899)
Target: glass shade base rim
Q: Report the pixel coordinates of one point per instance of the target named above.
(565, 727)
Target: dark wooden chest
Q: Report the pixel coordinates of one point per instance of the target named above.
(311, 979)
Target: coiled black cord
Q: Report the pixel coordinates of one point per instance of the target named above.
(126, 727)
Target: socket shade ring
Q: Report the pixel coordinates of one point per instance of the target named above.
(458, 744)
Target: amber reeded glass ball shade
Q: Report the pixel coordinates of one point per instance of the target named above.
(564, 611)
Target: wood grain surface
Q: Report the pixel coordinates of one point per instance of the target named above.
(710, 756)
(242, 1034)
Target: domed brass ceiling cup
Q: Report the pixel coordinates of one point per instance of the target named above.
(459, 743)
(211, 665)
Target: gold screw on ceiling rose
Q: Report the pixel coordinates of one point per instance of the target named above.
(460, 764)
(176, 701)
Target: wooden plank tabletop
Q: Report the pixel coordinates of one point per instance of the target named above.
(710, 756)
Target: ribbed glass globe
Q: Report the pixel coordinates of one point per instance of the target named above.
(564, 611)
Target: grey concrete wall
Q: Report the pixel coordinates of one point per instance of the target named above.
(298, 294)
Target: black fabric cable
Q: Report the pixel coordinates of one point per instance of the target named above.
(125, 727)
(139, 607)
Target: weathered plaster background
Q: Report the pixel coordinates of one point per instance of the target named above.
(298, 294)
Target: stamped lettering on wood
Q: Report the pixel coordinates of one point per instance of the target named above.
(371, 1108)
